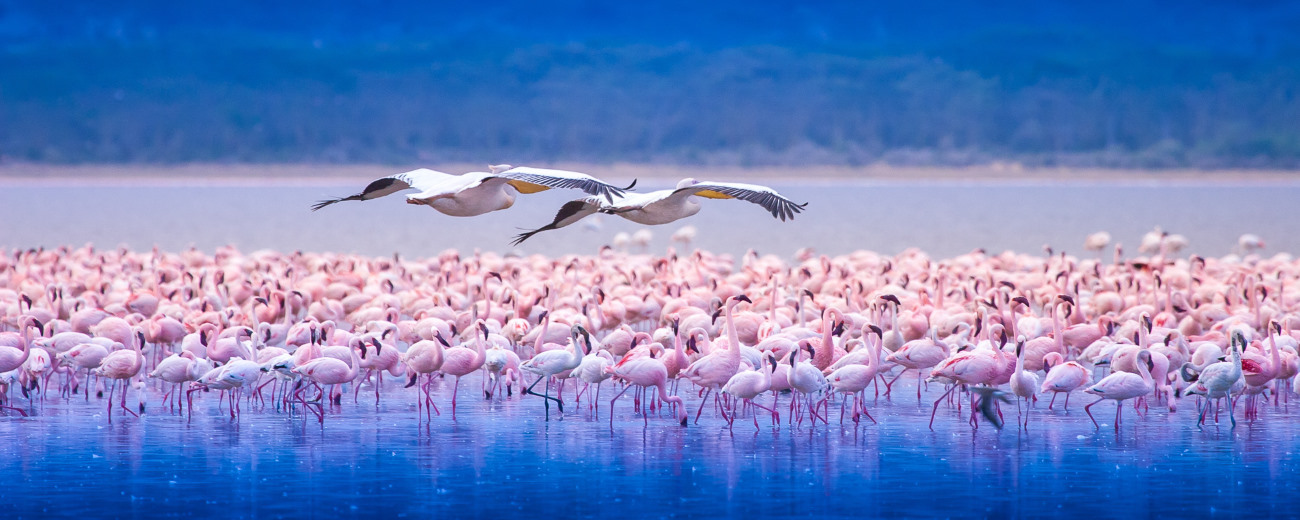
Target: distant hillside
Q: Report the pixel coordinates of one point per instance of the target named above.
(1110, 84)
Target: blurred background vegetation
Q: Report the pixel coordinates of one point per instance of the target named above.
(1107, 83)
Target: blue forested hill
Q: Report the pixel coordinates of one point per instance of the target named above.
(1103, 83)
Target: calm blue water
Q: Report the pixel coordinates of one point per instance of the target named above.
(500, 459)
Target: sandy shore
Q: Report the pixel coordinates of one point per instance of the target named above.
(335, 173)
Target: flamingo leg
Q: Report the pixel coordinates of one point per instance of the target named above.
(454, 390)
(702, 403)
(112, 385)
(546, 396)
(865, 412)
(611, 405)
(936, 405)
(1087, 409)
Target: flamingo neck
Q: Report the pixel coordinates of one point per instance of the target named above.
(733, 350)
(546, 324)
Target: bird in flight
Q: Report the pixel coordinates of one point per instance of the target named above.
(476, 193)
(664, 206)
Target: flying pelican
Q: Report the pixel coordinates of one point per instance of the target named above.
(476, 193)
(664, 206)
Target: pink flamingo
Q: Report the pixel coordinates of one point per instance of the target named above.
(1063, 377)
(329, 371)
(1259, 371)
(853, 380)
(176, 369)
(917, 355)
(1123, 385)
(461, 361)
(747, 385)
(386, 359)
(13, 358)
(714, 370)
(423, 359)
(646, 372)
(84, 356)
(123, 365)
(979, 366)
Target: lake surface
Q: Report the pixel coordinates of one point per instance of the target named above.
(941, 218)
(501, 459)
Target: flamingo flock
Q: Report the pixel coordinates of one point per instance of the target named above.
(753, 338)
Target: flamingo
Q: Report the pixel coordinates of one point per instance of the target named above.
(1219, 379)
(916, 355)
(461, 361)
(423, 359)
(1123, 385)
(123, 365)
(806, 379)
(980, 366)
(853, 380)
(84, 356)
(501, 363)
(325, 371)
(386, 359)
(1024, 384)
(1063, 377)
(476, 193)
(646, 372)
(552, 362)
(592, 372)
(177, 369)
(665, 206)
(13, 358)
(747, 385)
(714, 370)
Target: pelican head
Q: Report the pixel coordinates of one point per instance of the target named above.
(686, 183)
(498, 168)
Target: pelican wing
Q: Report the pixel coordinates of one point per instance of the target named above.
(775, 203)
(533, 180)
(569, 213)
(422, 179)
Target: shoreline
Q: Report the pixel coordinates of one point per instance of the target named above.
(347, 174)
